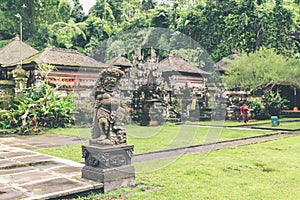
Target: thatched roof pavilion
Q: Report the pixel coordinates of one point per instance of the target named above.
(74, 70)
(182, 73)
(120, 62)
(11, 53)
(67, 59)
(175, 63)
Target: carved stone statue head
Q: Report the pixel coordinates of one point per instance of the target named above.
(110, 78)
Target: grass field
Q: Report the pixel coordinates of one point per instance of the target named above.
(285, 126)
(239, 123)
(172, 136)
(268, 170)
(153, 138)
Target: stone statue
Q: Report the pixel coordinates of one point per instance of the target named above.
(104, 131)
(107, 158)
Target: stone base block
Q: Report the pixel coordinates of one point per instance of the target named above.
(108, 164)
(112, 178)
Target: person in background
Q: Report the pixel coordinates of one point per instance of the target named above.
(244, 112)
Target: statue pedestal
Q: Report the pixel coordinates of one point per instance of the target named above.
(109, 164)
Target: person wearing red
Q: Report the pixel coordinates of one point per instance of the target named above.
(244, 112)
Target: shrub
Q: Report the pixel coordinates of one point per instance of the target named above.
(40, 107)
(274, 102)
(258, 108)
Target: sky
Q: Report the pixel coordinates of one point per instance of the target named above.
(87, 4)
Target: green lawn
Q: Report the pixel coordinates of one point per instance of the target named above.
(172, 136)
(286, 126)
(70, 152)
(74, 131)
(268, 170)
(237, 123)
(154, 138)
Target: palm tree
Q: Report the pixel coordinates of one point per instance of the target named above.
(66, 32)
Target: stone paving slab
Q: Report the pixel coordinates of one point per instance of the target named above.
(15, 170)
(68, 186)
(13, 154)
(41, 141)
(29, 175)
(11, 193)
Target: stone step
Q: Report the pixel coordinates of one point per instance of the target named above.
(29, 175)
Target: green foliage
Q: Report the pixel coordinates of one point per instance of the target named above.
(225, 25)
(65, 33)
(148, 4)
(33, 15)
(219, 26)
(40, 107)
(274, 102)
(4, 42)
(64, 10)
(258, 108)
(193, 56)
(257, 71)
(70, 152)
(108, 10)
(77, 12)
(160, 17)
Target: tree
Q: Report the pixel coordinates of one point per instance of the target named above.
(207, 25)
(64, 10)
(148, 4)
(260, 70)
(97, 30)
(65, 33)
(77, 12)
(108, 10)
(160, 17)
(282, 24)
(34, 13)
(30, 17)
(6, 28)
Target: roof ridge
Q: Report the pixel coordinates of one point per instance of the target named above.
(62, 50)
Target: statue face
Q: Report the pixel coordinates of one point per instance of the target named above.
(109, 83)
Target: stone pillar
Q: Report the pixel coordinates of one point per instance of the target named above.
(110, 165)
(6, 93)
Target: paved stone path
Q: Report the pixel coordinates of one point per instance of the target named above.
(25, 174)
(41, 141)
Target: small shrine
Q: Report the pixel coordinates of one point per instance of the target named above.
(12, 76)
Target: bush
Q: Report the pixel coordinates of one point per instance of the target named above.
(83, 113)
(274, 103)
(40, 107)
(258, 108)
